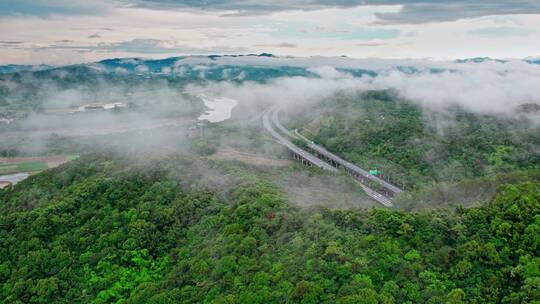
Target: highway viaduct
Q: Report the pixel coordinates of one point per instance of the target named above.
(326, 160)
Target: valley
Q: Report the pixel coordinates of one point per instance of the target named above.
(213, 191)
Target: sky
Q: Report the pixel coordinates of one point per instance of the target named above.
(68, 31)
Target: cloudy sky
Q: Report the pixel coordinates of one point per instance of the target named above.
(70, 31)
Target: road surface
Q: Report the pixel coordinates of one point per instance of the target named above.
(354, 168)
(292, 147)
(356, 171)
(336, 159)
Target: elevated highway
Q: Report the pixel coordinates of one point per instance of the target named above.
(298, 153)
(352, 169)
(335, 160)
(327, 160)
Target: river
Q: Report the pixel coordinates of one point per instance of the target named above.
(220, 108)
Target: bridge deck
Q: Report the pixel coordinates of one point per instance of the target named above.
(293, 148)
(354, 168)
(321, 150)
(271, 119)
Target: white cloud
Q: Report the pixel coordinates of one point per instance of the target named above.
(481, 90)
(328, 72)
(135, 32)
(495, 88)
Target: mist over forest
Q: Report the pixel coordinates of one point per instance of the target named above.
(157, 181)
(270, 151)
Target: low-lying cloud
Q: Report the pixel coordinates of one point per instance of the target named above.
(491, 87)
(480, 90)
(485, 88)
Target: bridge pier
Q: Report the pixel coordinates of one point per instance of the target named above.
(320, 157)
(301, 159)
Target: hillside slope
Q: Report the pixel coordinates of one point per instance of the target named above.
(106, 232)
(423, 150)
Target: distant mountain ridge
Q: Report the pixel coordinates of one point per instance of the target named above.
(12, 68)
(155, 65)
(480, 60)
(256, 67)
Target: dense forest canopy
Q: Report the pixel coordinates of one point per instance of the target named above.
(103, 230)
(188, 211)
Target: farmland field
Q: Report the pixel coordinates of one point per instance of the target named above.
(32, 166)
(10, 165)
(6, 169)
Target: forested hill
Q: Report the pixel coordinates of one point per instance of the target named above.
(98, 230)
(416, 146)
(443, 157)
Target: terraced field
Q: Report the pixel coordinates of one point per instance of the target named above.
(11, 168)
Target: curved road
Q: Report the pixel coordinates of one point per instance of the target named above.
(292, 147)
(322, 151)
(273, 112)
